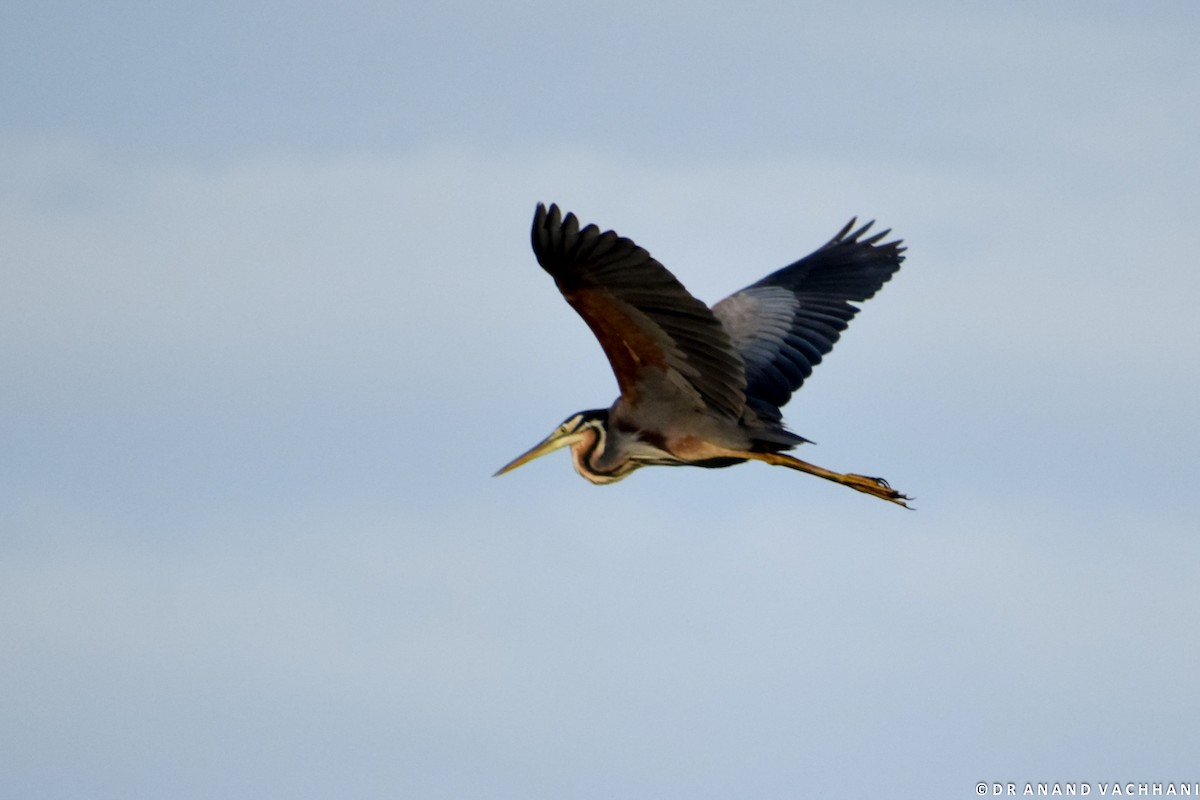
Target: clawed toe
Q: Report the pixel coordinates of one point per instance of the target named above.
(877, 487)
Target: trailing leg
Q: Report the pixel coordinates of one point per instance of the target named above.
(877, 487)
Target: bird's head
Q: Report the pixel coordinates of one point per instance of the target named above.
(583, 428)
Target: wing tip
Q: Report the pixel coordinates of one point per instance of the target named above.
(550, 232)
(560, 238)
(849, 235)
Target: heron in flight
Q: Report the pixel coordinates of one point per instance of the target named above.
(700, 386)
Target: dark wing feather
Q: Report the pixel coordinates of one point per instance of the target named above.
(785, 323)
(643, 317)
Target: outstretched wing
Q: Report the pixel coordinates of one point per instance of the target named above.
(658, 338)
(785, 323)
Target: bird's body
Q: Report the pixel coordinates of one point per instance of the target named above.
(699, 386)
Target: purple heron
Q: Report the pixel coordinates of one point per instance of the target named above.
(699, 386)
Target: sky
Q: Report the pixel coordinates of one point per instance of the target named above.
(269, 322)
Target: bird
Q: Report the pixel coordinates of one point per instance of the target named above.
(702, 386)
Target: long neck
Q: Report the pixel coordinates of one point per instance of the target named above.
(592, 457)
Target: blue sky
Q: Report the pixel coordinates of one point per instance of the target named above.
(269, 322)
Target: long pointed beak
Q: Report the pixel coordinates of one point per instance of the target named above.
(547, 445)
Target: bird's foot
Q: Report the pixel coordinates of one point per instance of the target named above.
(877, 487)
